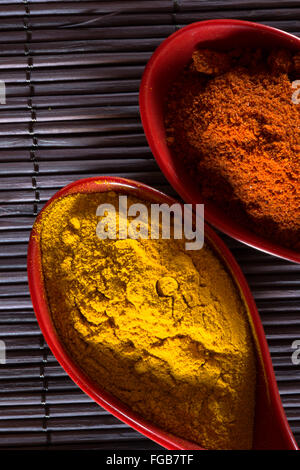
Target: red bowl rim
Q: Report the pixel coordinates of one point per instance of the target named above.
(105, 399)
(239, 233)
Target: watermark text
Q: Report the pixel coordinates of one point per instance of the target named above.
(162, 221)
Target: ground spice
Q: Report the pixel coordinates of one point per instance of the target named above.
(162, 329)
(231, 119)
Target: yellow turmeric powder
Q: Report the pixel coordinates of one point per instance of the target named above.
(162, 329)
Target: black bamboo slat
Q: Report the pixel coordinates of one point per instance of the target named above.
(60, 60)
(85, 21)
(83, 46)
(115, 32)
(72, 71)
(91, 21)
(208, 5)
(75, 87)
(74, 154)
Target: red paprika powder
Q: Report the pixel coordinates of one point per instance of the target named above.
(231, 118)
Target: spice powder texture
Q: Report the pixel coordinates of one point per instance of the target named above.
(164, 330)
(230, 119)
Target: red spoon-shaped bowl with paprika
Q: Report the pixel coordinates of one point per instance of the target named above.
(165, 64)
(271, 429)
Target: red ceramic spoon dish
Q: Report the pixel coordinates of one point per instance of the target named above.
(271, 429)
(166, 62)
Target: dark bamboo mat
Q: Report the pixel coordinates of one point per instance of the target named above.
(72, 71)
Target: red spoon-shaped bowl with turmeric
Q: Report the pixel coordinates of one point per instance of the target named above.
(271, 429)
(167, 62)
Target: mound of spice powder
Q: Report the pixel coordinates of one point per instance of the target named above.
(161, 328)
(230, 117)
